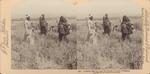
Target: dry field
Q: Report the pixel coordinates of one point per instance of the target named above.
(49, 53)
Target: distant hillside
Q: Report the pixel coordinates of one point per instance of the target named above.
(36, 19)
(73, 18)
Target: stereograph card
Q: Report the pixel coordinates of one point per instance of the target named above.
(74, 36)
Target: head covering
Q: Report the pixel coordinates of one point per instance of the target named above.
(106, 16)
(27, 17)
(63, 19)
(42, 15)
(90, 17)
(125, 19)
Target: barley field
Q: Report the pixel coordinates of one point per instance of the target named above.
(48, 53)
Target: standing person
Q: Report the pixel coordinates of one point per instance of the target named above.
(43, 25)
(126, 28)
(91, 30)
(27, 26)
(129, 26)
(106, 25)
(63, 29)
(28, 30)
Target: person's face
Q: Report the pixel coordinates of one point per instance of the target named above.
(61, 18)
(124, 17)
(28, 18)
(106, 15)
(91, 18)
(43, 15)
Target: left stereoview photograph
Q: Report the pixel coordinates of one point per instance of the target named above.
(43, 36)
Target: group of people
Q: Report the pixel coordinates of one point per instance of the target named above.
(126, 28)
(64, 28)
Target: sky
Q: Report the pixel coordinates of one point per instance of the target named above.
(55, 8)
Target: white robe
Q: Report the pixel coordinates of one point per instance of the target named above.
(27, 26)
(91, 31)
(28, 32)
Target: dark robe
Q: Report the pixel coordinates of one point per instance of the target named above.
(63, 28)
(106, 26)
(43, 25)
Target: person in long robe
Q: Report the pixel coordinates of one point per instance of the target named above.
(28, 36)
(43, 25)
(106, 25)
(63, 29)
(91, 30)
(126, 28)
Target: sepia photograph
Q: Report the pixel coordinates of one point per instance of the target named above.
(66, 34)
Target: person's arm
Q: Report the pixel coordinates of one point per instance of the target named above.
(109, 23)
(103, 21)
(39, 25)
(25, 25)
(89, 28)
(94, 23)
